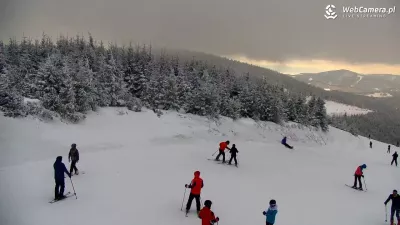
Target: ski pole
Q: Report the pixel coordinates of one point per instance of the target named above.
(73, 187)
(214, 153)
(365, 184)
(385, 213)
(183, 198)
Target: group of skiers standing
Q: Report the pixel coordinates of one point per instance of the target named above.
(205, 214)
(60, 169)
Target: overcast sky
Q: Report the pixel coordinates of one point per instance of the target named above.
(288, 35)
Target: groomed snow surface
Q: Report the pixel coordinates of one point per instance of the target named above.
(137, 164)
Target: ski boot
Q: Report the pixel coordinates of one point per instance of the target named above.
(77, 172)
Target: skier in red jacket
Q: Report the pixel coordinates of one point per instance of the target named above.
(196, 185)
(357, 176)
(222, 147)
(206, 215)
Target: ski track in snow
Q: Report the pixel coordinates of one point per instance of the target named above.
(137, 164)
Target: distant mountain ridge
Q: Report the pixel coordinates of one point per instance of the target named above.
(374, 85)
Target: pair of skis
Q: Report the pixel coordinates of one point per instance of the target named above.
(224, 163)
(67, 195)
(355, 188)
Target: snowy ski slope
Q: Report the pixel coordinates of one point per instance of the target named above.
(136, 166)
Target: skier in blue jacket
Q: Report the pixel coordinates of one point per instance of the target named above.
(271, 212)
(59, 170)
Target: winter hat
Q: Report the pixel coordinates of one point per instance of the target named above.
(395, 190)
(197, 173)
(73, 145)
(207, 203)
(227, 142)
(272, 202)
(59, 158)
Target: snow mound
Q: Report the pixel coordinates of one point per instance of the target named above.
(136, 165)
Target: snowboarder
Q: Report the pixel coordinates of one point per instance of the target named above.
(357, 176)
(395, 206)
(285, 144)
(271, 212)
(73, 157)
(233, 152)
(222, 147)
(196, 185)
(370, 144)
(206, 215)
(59, 170)
(394, 160)
(388, 151)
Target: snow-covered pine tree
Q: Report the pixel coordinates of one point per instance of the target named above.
(291, 109)
(84, 87)
(321, 115)
(143, 68)
(55, 87)
(246, 96)
(116, 84)
(311, 112)
(301, 110)
(203, 100)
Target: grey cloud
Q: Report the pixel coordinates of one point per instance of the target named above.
(275, 30)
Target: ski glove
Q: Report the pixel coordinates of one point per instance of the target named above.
(186, 186)
(216, 220)
(264, 213)
(362, 176)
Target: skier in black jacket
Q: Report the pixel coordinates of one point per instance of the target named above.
(59, 170)
(74, 157)
(395, 206)
(395, 155)
(388, 151)
(233, 152)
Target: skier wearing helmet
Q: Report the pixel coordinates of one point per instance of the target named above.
(74, 157)
(357, 176)
(271, 212)
(196, 185)
(206, 215)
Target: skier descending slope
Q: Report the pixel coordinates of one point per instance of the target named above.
(222, 147)
(59, 170)
(395, 206)
(394, 160)
(74, 157)
(233, 152)
(271, 212)
(357, 176)
(388, 151)
(285, 144)
(206, 215)
(196, 185)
